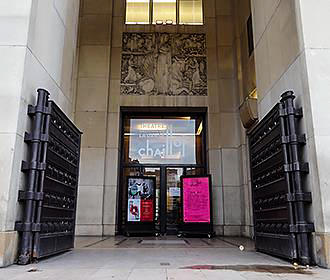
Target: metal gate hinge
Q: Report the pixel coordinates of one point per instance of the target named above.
(301, 228)
(295, 197)
(299, 112)
(297, 166)
(34, 165)
(284, 112)
(25, 195)
(27, 227)
(301, 139)
(33, 137)
(38, 109)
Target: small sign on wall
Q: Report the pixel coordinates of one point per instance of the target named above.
(174, 192)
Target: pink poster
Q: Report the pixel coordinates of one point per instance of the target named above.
(196, 200)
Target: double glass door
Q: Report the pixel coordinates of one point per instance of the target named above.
(164, 147)
(167, 195)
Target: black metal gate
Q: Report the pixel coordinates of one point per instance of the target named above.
(279, 200)
(50, 196)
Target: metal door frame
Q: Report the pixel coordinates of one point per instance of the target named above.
(163, 189)
(163, 112)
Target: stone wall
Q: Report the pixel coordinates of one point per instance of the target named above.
(99, 100)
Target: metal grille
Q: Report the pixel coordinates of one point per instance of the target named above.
(52, 182)
(279, 201)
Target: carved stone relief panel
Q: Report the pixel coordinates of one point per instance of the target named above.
(163, 64)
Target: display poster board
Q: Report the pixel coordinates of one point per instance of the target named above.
(140, 199)
(196, 199)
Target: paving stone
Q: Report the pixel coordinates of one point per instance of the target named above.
(122, 258)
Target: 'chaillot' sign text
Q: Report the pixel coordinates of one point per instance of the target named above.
(172, 148)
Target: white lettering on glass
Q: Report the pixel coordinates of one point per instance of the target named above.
(173, 141)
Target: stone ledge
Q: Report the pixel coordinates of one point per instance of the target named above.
(109, 230)
(322, 249)
(88, 230)
(8, 247)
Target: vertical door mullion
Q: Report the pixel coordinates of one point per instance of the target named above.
(163, 200)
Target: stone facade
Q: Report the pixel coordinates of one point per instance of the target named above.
(291, 51)
(102, 70)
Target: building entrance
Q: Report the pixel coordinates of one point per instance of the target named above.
(165, 147)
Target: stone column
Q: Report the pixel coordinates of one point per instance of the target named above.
(37, 49)
(315, 21)
(14, 22)
(226, 148)
(91, 113)
(245, 64)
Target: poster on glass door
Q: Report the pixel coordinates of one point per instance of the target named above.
(134, 209)
(140, 203)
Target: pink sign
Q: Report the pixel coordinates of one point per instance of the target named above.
(196, 200)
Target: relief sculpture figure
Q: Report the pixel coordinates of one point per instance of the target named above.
(196, 78)
(131, 76)
(163, 64)
(177, 77)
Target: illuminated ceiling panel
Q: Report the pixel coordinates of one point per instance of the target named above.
(164, 11)
(137, 12)
(190, 12)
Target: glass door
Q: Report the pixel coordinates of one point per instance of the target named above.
(155, 172)
(173, 199)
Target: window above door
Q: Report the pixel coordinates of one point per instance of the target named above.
(163, 140)
(188, 12)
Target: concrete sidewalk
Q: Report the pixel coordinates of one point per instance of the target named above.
(164, 259)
